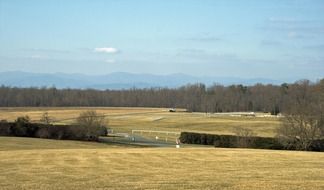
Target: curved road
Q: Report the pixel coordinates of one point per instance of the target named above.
(136, 140)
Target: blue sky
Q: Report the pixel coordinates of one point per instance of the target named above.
(277, 39)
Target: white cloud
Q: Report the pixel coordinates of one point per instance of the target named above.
(110, 50)
(110, 61)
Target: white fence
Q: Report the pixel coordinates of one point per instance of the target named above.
(157, 132)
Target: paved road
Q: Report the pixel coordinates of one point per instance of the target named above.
(136, 140)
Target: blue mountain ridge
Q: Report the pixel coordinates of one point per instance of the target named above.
(118, 80)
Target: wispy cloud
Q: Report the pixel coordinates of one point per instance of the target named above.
(290, 20)
(281, 19)
(109, 50)
(191, 51)
(205, 39)
(36, 56)
(270, 43)
(319, 47)
(294, 35)
(44, 50)
(110, 61)
(201, 55)
(294, 28)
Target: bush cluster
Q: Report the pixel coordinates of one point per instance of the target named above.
(67, 132)
(231, 141)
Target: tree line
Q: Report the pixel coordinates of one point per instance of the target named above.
(301, 103)
(193, 97)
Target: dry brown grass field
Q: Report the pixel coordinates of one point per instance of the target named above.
(127, 119)
(52, 164)
(59, 113)
(30, 163)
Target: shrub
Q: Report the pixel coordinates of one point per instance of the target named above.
(23, 128)
(64, 132)
(231, 141)
(42, 133)
(226, 141)
(267, 143)
(5, 128)
(317, 145)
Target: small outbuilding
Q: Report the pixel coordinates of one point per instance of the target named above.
(172, 110)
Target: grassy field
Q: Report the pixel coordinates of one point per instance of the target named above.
(11, 143)
(64, 113)
(30, 163)
(48, 164)
(126, 119)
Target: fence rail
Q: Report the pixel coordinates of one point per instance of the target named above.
(151, 131)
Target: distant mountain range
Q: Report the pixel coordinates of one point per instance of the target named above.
(118, 80)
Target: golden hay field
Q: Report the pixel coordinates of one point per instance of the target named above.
(85, 165)
(58, 113)
(126, 119)
(30, 163)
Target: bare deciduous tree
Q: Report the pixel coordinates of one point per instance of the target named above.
(45, 118)
(193, 97)
(299, 131)
(303, 122)
(244, 137)
(92, 124)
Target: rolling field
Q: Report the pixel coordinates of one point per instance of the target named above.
(126, 119)
(83, 165)
(30, 163)
(20, 143)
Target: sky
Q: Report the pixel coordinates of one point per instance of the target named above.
(277, 39)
